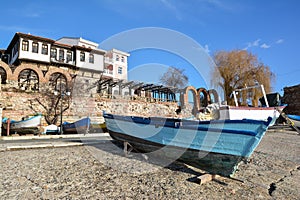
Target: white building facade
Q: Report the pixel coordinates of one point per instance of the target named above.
(78, 54)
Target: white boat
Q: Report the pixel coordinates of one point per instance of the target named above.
(23, 125)
(51, 129)
(246, 112)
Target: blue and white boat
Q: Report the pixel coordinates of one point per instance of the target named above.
(26, 125)
(295, 119)
(216, 146)
(80, 126)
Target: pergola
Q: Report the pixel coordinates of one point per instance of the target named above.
(151, 90)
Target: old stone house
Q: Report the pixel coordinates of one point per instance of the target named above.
(31, 61)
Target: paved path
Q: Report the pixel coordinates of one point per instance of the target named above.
(49, 141)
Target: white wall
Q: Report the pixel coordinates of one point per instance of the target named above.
(34, 56)
(97, 65)
(119, 63)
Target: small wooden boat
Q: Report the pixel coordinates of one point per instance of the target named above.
(295, 119)
(80, 126)
(26, 125)
(256, 113)
(217, 146)
(51, 129)
(267, 110)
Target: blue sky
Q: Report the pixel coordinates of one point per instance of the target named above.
(269, 29)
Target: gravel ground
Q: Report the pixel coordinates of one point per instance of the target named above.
(100, 171)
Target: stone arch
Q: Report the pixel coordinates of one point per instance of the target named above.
(34, 68)
(7, 69)
(184, 97)
(56, 80)
(28, 80)
(214, 93)
(58, 70)
(206, 99)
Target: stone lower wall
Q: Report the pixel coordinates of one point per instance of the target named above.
(20, 104)
(0, 121)
(137, 107)
(292, 98)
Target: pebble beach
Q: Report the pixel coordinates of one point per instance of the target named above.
(101, 171)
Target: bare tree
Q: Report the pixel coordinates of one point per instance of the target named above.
(53, 106)
(174, 77)
(238, 69)
(50, 104)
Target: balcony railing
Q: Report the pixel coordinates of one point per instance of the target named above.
(70, 62)
(107, 71)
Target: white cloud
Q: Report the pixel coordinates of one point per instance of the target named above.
(173, 8)
(256, 43)
(279, 41)
(265, 46)
(252, 44)
(168, 4)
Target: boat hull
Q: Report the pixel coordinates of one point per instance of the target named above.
(79, 126)
(24, 125)
(213, 163)
(295, 119)
(216, 147)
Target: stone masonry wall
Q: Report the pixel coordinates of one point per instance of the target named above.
(20, 104)
(292, 98)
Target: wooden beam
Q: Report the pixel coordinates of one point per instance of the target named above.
(206, 178)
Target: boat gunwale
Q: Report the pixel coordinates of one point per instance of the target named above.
(21, 121)
(177, 123)
(294, 117)
(250, 108)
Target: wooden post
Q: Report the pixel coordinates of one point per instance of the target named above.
(126, 149)
(8, 126)
(264, 94)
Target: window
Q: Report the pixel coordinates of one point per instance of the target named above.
(82, 56)
(91, 58)
(61, 55)
(35, 47)
(45, 49)
(122, 59)
(117, 58)
(120, 69)
(53, 53)
(25, 45)
(69, 56)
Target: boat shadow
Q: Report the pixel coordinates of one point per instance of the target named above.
(114, 151)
